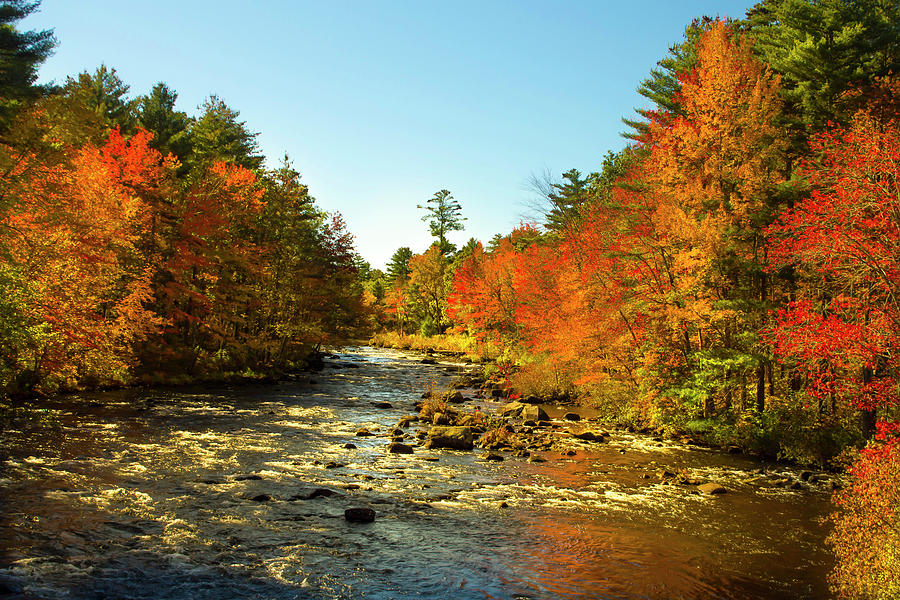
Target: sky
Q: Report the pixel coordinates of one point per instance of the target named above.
(380, 104)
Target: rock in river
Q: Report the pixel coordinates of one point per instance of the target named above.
(572, 416)
(534, 413)
(711, 488)
(457, 438)
(359, 515)
(398, 448)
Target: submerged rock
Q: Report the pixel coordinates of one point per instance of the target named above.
(570, 416)
(362, 431)
(359, 515)
(382, 405)
(492, 456)
(456, 438)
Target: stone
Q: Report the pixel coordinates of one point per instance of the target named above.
(511, 409)
(533, 413)
(531, 399)
(805, 475)
(350, 446)
(589, 436)
(398, 448)
(492, 456)
(362, 432)
(496, 393)
(382, 405)
(247, 477)
(530, 423)
(456, 398)
(441, 419)
(456, 438)
(359, 515)
(503, 505)
(261, 498)
(572, 416)
(665, 474)
(333, 465)
(711, 488)
(397, 431)
(428, 361)
(734, 450)
(317, 493)
(407, 420)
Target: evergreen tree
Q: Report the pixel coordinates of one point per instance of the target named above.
(398, 267)
(443, 216)
(662, 86)
(219, 135)
(105, 95)
(170, 127)
(566, 197)
(824, 48)
(21, 53)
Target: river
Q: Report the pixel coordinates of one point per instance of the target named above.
(240, 491)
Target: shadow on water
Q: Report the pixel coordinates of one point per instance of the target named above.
(240, 493)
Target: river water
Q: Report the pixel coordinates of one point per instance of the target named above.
(240, 492)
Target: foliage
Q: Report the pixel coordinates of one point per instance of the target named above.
(866, 535)
(443, 215)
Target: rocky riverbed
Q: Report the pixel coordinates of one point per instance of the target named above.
(331, 487)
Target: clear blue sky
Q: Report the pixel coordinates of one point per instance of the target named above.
(381, 104)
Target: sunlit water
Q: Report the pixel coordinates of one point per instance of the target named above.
(207, 494)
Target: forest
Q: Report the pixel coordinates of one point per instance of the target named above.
(733, 273)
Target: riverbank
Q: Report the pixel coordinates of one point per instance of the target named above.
(785, 431)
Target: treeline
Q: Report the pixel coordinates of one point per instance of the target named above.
(734, 272)
(137, 241)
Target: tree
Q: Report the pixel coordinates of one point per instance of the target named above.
(218, 135)
(106, 95)
(398, 266)
(427, 289)
(170, 127)
(843, 239)
(21, 53)
(443, 215)
(566, 198)
(823, 48)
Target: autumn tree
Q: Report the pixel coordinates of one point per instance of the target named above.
(715, 169)
(843, 330)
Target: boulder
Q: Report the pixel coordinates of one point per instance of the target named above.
(533, 413)
(572, 416)
(398, 448)
(382, 405)
(711, 488)
(456, 398)
(511, 409)
(492, 456)
(359, 515)
(456, 438)
(362, 432)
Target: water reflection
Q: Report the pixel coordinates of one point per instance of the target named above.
(240, 493)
